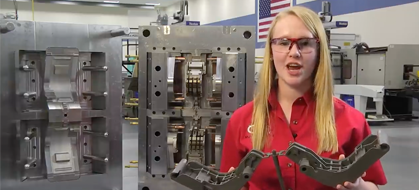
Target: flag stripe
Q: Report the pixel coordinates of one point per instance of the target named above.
(263, 30)
(280, 6)
(267, 10)
(277, 1)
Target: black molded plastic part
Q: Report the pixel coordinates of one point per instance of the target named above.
(327, 171)
(332, 172)
(196, 176)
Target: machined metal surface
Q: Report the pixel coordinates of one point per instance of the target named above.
(60, 123)
(327, 171)
(191, 79)
(387, 67)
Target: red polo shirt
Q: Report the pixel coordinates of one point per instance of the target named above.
(351, 126)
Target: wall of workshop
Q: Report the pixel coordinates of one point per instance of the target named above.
(63, 13)
(379, 23)
(213, 11)
(67, 13)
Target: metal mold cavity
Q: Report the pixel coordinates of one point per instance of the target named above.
(191, 79)
(59, 120)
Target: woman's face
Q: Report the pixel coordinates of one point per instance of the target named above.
(294, 51)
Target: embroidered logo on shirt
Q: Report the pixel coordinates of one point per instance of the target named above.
(250, 131)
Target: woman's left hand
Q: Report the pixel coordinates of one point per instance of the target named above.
(349, 185)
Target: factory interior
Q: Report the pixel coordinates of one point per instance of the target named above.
(137, 94)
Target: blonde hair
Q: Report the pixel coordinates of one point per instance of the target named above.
(323, 87)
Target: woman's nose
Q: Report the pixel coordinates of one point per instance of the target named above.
(294, 51)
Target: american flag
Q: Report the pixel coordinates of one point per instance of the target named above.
(267, 11)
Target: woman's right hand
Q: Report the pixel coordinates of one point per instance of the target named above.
(243, 188)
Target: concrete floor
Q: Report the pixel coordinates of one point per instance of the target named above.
(130, 152)
(401, 164)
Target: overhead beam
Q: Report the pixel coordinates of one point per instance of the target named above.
(91, 3)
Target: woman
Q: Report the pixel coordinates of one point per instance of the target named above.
(294, 103)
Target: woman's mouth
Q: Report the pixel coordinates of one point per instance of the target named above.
(294, 69)
(294, 66)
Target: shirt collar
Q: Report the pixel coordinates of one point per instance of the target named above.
(273, 97)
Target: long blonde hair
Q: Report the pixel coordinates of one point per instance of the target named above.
(323, 86)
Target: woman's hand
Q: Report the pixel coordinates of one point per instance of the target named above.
(349, 185)
(243, 188)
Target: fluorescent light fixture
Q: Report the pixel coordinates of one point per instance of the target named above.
(111, 1)
(109, 5)
(155, 4)
(64, 2)
(147, 7)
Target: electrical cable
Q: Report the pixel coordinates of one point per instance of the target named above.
(331, 18)
(388, 112)
(16, 8)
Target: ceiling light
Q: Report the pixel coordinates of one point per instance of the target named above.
(109, 5)
(155, 4)
(147, 7)
(64, 2)
(111, 1)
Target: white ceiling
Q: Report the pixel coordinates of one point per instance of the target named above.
(162, 3)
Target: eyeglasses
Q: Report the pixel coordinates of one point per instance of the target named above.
(284, 45)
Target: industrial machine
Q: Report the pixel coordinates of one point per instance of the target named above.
(344, 41)
(161, 19)
(60, 123)
(360, 94)
(344, 64)
(327, 18)
(384, 78)
(343, 53)
(344, 57)
(183, 14)
(339, 63)
(395, 67)
(191, 80)
(181, 17)
(368, 99)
